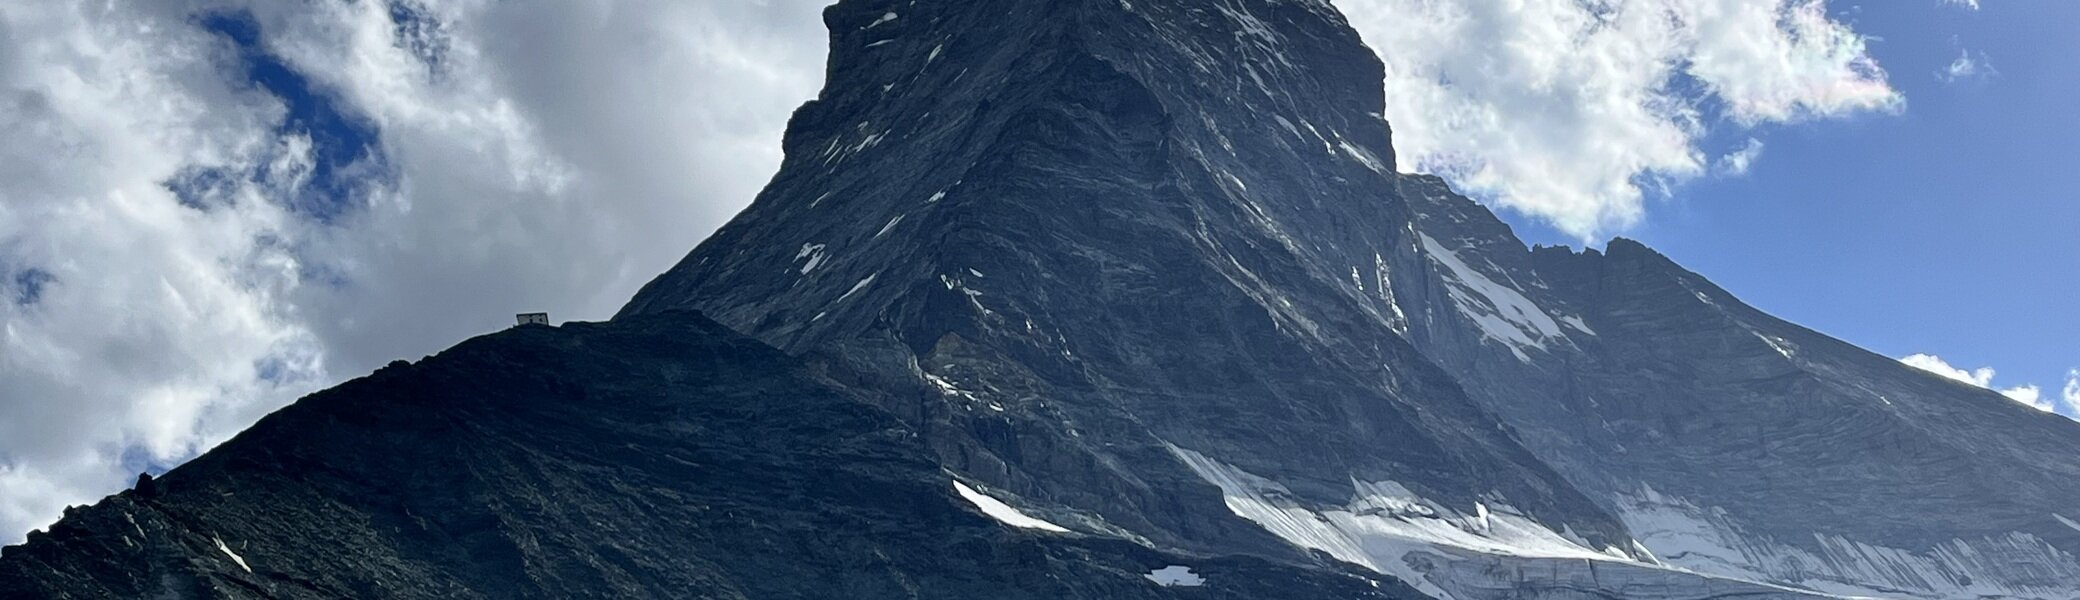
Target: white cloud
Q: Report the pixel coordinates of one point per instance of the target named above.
(2067, 404)
(1964, 4)
(1569, 109)
(2071, 394)
(540, 155)
(1982, 377)
(148, 336)
(1737, 162)
(1967, 66)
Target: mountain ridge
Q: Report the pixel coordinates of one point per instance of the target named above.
(1834, 433)
(580, 461)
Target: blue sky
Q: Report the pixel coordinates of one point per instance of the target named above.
(1950, 228)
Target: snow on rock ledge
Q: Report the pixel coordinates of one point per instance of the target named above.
(1502, 313)
(1003, 513)
(1175, 576)
(1494, 553)
(1383, 524)
(2015, 566)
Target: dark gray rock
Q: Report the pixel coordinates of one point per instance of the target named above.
(1732, 442)
(1087, 231)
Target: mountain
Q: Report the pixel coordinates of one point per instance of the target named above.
(1179, 226)
(1140, 280)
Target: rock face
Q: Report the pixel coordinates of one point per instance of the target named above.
(1141, 275)
(1105, 238)
(1085, 234)
(1734, 443)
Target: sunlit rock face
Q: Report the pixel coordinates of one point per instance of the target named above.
(1118, 299)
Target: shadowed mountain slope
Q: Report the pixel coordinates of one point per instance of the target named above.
(655, 457)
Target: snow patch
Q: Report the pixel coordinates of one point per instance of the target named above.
(891, 225)
(839, 153)
(1326, 146)
(885, 18)
(1397, 321)
(1503, 314)
(1003, 513)
(1383, 523)
(1577, 323)
(858, 286)
(234, 555)
(1778, 344)
(813, 252)
(1360, 155)
(2066, 521)
(1175, 575)
(948, 388)
(1708, 540)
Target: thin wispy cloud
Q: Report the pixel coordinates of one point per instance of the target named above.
(1737, 162)
(1967, 66)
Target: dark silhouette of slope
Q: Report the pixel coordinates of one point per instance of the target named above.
(654, 457)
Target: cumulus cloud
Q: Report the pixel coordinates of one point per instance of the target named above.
(1964, 4)
(1570, 110)
(150, 329)
(2068, 403)
(213, 207)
